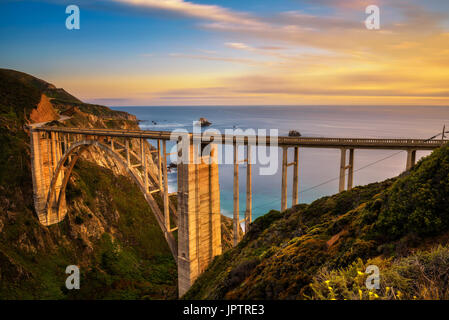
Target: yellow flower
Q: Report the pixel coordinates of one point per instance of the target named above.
(327, 282)
(387, 289)
(414, 297)
(399, 294)
(376, 296)
(360, 273)
(360, 294)
(330, 288)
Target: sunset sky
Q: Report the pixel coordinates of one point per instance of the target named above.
(233, 52)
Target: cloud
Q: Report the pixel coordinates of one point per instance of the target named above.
(220, 58)
(237, 45)
(194, 10)
(346, 4)
(324, 55)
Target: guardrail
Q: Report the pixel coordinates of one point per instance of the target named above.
(311, 142)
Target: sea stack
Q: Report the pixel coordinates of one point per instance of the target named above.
(294, 133)
(204, 122)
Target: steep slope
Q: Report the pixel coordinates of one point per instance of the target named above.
(321, 250)
(109, 232)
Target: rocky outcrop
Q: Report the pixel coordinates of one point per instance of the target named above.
(44, 111)
(294, 133)
(204, 122)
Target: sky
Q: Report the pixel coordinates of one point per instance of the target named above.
(233, 52)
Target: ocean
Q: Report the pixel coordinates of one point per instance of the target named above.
(319, 168)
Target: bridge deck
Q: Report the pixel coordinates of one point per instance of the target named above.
(308, 142)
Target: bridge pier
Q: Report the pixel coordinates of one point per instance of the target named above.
(249, 191)
(236, 206)
(344, 167)
(199, 220)
(285, 165)
(249, 196)
(411, 159)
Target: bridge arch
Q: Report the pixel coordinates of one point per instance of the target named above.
(55, 207)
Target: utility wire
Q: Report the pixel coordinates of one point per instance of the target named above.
(337, 178)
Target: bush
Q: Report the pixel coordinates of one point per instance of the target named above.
(423, 275)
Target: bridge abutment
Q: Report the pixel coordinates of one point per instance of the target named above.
(45, 155)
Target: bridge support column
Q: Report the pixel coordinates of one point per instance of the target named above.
(159, 164)
(165, 187)
(236, 216)
(351, 169)
(411, 159)
(343, 167)
(295, 177)
(295, 185)
(284, 179)
(249, 192)
(341, 186)
(128, 158)
(199, 220)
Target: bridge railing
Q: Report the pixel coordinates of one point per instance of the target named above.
(327, 142)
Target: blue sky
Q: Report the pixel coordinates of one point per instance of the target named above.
(156, 52)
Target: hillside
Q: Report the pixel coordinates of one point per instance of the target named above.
(110, 231)
(321, 250)
(316, 251)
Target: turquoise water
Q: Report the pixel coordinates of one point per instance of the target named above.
(316, 165)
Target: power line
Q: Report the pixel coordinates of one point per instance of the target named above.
(337, 178)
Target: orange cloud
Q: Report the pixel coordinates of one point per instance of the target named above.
(300, 58)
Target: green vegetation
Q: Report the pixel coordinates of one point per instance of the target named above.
(291, 255)
(316, 251)
(132, 259)
(109, 231)
(421, 275)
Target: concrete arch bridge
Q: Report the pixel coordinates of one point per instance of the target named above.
(196, 217)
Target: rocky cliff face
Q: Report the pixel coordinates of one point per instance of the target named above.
(44, 111)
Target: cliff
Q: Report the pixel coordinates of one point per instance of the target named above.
(109, 231)
(322, 250)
